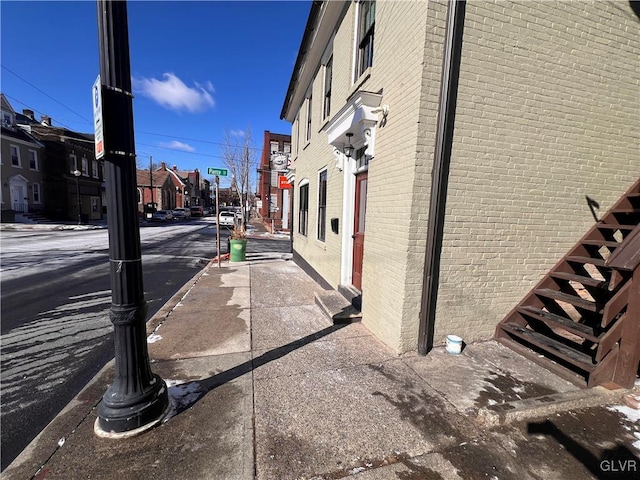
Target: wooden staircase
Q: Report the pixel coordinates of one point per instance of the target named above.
(582, 320)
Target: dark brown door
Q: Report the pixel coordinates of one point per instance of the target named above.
(358, 228)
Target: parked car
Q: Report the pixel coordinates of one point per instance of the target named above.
(226, 219)
(197, 211)
(206, 212)
(162, 216)
(181, 213)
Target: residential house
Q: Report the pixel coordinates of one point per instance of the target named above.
(21, 167)
(73, 179)
(156, 191)
(444, 153)
(187, 184)
(273, 187)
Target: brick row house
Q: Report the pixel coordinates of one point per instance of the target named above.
(66, 181)
(273, 188)
(443, 153)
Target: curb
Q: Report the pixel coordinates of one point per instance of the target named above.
(506, 413)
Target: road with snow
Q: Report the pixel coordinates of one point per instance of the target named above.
(55, 299)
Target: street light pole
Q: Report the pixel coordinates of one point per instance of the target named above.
(137, 399)
(77, 174)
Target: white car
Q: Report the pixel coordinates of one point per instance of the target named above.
(226, 219)
(181, 213)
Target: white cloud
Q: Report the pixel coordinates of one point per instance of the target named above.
(237, 133)
(176, 145)
(172, 93)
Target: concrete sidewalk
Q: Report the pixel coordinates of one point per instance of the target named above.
(264, 386)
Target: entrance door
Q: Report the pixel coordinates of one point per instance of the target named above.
(18, 187)
(358, 229)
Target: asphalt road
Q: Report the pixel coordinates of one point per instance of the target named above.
(55, 296)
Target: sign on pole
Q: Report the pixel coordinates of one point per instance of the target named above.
(217, 171)
(283, 182)
(97, 118)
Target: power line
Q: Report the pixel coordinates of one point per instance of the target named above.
(44, 93)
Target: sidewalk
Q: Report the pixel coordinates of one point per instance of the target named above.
(264, 386)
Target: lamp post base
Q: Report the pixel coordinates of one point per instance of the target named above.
(121, 420)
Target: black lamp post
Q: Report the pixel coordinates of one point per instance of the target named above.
(137, 399)
(77, 173)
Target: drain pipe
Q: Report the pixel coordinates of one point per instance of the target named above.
(440, 173)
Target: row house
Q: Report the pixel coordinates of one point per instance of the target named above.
(446, 155)
(188, 185)
(273, 187)
(20, 167)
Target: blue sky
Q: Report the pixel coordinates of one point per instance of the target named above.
(198, 69)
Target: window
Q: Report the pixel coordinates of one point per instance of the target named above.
(15, 156)
(309, 118)
(36, 193)
(287, 148)
(297, 133)
(74, 163)
(328, 74)
(33, 160)
(6, 120)
(94, 167)
(366, 27)
(85, 167)
(274, 147)
(322, 205)
(303, 210)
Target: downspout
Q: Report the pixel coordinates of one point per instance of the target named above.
(440, 173)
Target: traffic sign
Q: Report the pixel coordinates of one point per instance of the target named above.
(97, 118)
(217, 171)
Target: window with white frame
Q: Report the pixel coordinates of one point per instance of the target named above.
(326, 99)
(273, 147)
(33, 160)
(36, 193)
(94, 168)
(287, 148)
(85, 167)
(309, 112)
(74, 162)
(15, 156)
(366, 28)
(322, 205)
(303, 210)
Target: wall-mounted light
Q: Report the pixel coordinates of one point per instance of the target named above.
(348, 149)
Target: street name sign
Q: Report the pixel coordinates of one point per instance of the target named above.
(217, 171)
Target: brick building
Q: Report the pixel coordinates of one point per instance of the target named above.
(273, 189)
(546, 114)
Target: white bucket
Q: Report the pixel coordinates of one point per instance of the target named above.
(454, 344)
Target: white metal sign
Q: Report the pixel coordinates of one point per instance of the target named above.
(97, 118)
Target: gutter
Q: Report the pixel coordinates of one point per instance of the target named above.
(440, 173)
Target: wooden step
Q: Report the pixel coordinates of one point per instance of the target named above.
(560, 370)
(553, 320)
(572, 299)
(586, 281)
(611, 226)
(601, 243)
(626, 210)
(553, 347)
(598, 262)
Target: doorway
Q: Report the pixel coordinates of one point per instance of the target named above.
(358, 228)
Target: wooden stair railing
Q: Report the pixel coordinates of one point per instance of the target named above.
(582, 320)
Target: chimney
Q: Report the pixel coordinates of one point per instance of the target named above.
(163, 166)
(28, 113)
(45, 120)
(175, 168)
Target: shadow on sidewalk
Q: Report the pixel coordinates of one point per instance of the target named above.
(186, 395)
(618, 462)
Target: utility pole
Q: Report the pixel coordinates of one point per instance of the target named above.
(137, 399)
(153, 209)
(218, 218)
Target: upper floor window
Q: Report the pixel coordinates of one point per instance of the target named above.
(274, 146)
(85, 167)
(7, 121)
(303, 210)
(366, 27)
(15, 156)
(309, 117)
(33, 160)
(36, 193)
(287, 148)
(328, 74)
(94, 167)
(74, 163)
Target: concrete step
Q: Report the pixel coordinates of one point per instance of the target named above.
(337, 308)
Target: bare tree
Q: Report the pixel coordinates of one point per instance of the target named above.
(238, 156)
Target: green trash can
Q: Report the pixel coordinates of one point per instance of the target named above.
(238, 250)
